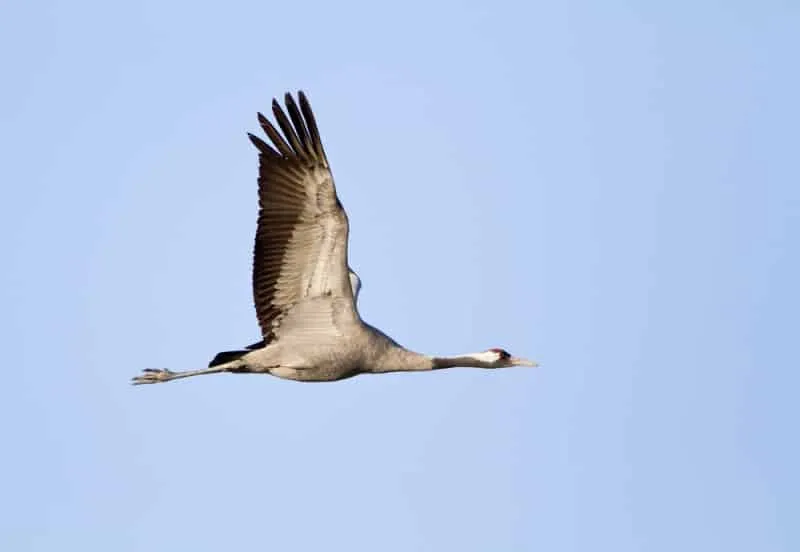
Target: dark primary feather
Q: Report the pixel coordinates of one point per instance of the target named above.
(316, 141)
(299, 124)
(299, 215)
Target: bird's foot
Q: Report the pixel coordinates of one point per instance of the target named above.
(153, 375)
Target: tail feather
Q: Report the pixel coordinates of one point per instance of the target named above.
(226, 356)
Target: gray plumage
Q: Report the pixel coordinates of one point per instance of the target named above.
(304, 291)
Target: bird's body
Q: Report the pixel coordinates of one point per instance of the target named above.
(305, 293)
(310, 356)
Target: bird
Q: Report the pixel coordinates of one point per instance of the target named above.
(304, 290)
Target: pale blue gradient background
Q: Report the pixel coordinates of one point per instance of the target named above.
(614, 191)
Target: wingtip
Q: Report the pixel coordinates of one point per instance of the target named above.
(291, 105)
(260, 144)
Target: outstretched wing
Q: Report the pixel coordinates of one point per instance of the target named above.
(301, 241)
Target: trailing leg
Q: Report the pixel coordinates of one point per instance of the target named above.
(153, 375)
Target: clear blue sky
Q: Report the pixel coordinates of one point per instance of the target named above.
(610, 188)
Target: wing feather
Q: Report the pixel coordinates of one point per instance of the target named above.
(299, 125)
(287, 128)
(316, 141)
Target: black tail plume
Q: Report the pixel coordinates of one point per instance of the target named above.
(226, 356)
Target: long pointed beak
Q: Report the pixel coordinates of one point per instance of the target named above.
(517, 361)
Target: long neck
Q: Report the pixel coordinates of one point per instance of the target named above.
(463, 361)
(403, 360)
(398, 359)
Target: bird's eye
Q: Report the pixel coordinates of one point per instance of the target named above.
(505, 355)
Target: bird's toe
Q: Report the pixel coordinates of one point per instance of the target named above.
(152, 375)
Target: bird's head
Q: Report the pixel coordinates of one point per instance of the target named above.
(500, 358)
